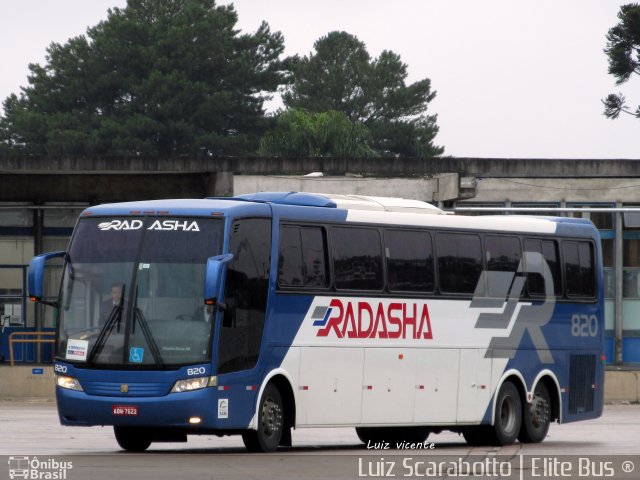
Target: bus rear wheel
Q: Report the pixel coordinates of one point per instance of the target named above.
(508, 417)
(132, 439)
(536, 416)
(508, 420)
(270, 423)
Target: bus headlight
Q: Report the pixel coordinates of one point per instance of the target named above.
(68, 382)
(191, 384)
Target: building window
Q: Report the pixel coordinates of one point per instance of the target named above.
(536, 205)
(602, 220)
(20, 217)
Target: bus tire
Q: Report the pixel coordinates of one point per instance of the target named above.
(270, 423)
(508, 417)
(132, 439)
(536, 416)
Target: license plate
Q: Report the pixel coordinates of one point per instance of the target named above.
(125, 410)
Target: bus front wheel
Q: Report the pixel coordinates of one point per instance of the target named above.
(270, 423)
(132, 439)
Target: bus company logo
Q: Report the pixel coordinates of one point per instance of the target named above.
(373, 319)
(32, 468)
(121, 225)
(165, 225)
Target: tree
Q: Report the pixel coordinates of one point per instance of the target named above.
(623, 50)
(170, 77)
(299, 133)
(341, 76)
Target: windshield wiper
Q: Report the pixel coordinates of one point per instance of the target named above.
(146, 331)
(114, 315)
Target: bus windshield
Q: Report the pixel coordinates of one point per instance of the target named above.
(133, 292)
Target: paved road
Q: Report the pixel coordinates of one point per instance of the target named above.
(32, 430)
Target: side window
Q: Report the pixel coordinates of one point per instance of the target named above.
(549, 251)
(290, 271)
(357, 258)
(302, 257)
(314, 257)
(459, 262)
(246, 291)
(409, 261)
(503, 259)
(579, 271)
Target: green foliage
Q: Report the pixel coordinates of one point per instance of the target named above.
(623, 52)
(170, 77)
(341, 76)
(324, 134)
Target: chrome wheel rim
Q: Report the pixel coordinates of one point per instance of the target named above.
(271, 417)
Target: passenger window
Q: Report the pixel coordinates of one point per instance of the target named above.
(290, 271)
(579, 271)
(549, 251)
(302, 257)
(503, 260)
(357, 258)
(314, 257)
(409, 261)
(459, 262)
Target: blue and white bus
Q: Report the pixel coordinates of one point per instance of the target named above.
(261, 313)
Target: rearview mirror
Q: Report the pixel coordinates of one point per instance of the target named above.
(36, 275)
(213, 278)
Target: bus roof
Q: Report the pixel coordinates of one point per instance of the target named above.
(347, 208)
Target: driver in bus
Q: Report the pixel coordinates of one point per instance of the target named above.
(110, 303)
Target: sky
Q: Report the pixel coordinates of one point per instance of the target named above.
(514, 78)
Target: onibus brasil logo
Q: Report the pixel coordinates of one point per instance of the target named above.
(36, 469)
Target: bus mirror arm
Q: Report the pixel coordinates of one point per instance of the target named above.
(215, 303)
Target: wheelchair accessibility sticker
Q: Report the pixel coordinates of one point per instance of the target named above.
(136, 354)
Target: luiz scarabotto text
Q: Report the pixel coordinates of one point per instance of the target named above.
(451, 467)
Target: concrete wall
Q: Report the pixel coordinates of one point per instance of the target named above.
(622, 386)
(416, 188)
(537, 189)
(399, 167)
(20, 382)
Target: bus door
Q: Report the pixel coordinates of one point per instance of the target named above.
(246, 292)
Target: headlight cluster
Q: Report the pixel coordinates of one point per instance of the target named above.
(191, 384)
(68, 382)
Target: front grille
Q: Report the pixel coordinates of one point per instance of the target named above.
(582, 377)
(112, 389)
